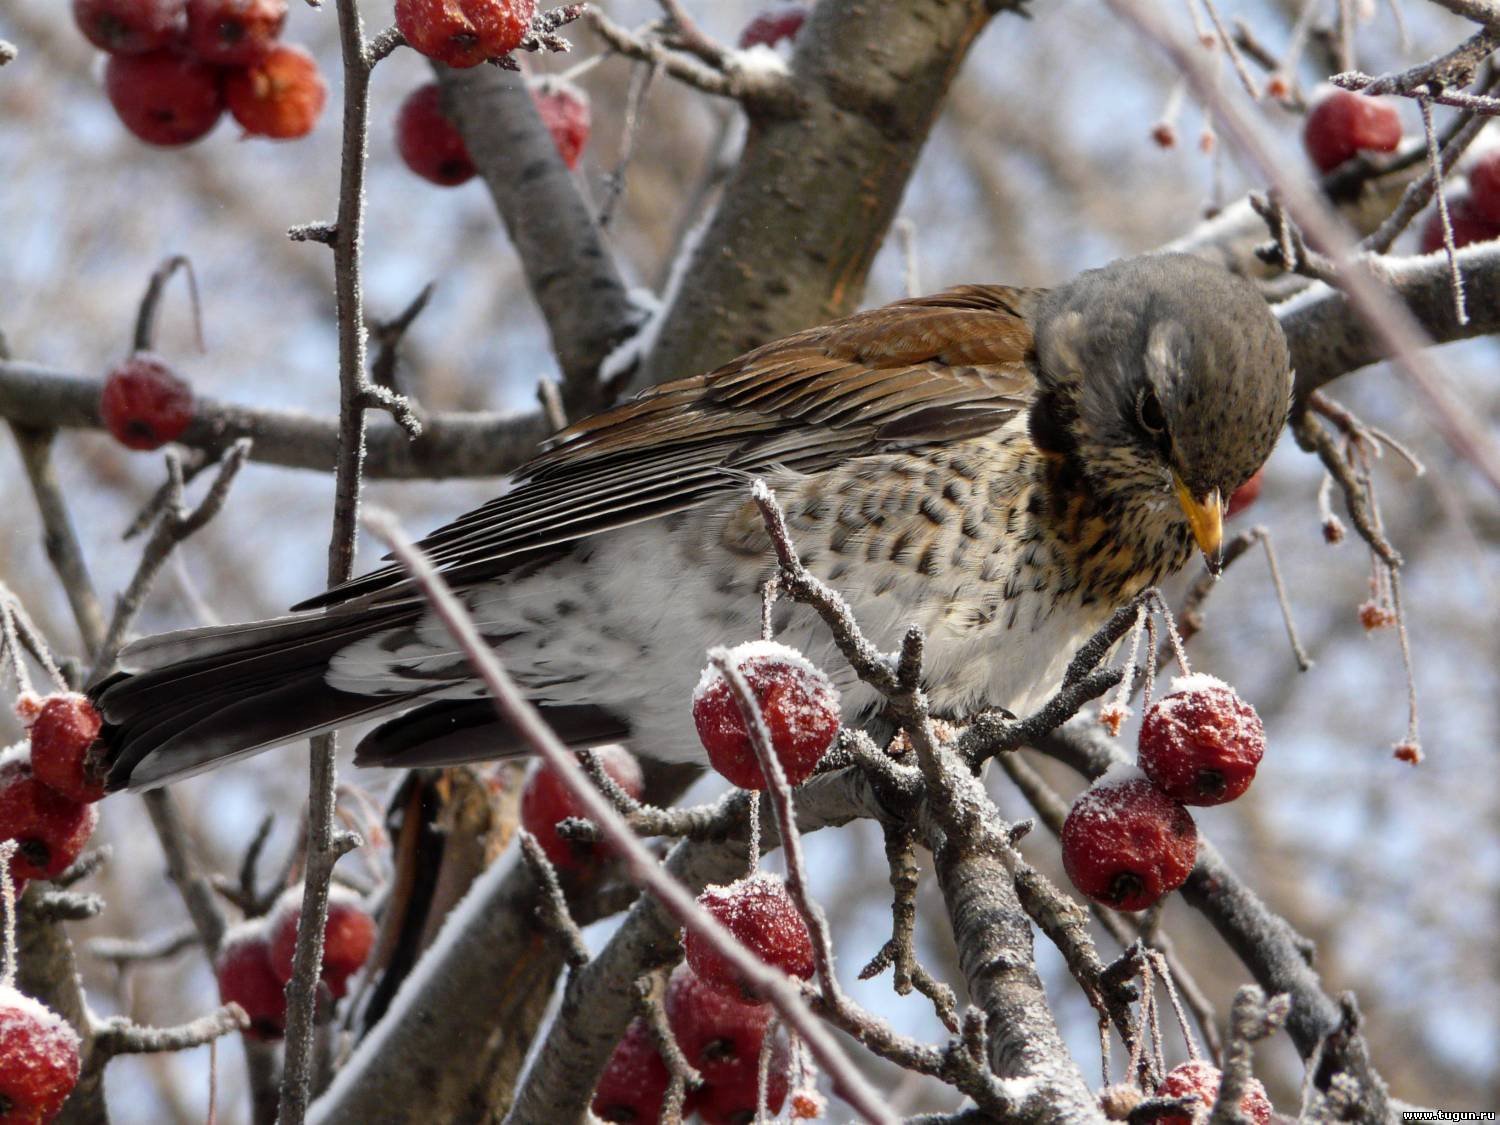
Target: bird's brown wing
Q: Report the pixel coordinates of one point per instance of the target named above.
(910, 374)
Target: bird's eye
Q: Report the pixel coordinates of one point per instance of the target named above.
(1148, 412)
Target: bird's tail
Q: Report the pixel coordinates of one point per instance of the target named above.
(192, 700)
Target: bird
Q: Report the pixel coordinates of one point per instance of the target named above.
(1003, 467)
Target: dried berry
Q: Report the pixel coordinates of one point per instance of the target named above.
(1201, 744)
(799, 703)
(246, 978)
(234, 32)
(1201, 1079)
(145, 405)
(281, 96)
(164, 98)
(49, 829)
(348, 936)
(547, 800)
(131, 27)
(564, 109)
(1343, 123)
(463, 33)
(761, 915)
(61, 736)
(38, 1060)
(1127, 844)
(428, 140)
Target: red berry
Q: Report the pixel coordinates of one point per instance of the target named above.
(50, 829)
(348, 937)
(1126, 843)
(234, 32)
(1484, 186)
(1343, 123)
(759, 912)
(428, 140)
(799, 703)
(635, 1079)
(721, 1038)
(61, 736)
(1468, 225)
(1246, 494)
(38, 1060)
(164, 98)
(564, 109)
(1201, 1078)
(130, 27)
(773, 26)
(463, 33)
(547, 800)
(144, 404)
(246, 978)
(1202, 743)
(280, 97)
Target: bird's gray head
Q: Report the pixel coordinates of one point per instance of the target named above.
(1161, 377)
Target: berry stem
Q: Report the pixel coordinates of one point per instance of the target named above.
(145, 318)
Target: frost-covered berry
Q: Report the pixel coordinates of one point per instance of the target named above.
(234, 32)
(1126, 843)
(164, 97)
(428, 140)
(130, 27)
(1469, 226)
(721, 1038)
(759, 912)
(463, 33)
(61, 736)
(1202, 1080)
(1484, 186)
(348, 936)
(773, 26)
(546, 799)
(281, 96)
(634, 1083)
(38, 1060)
(49, 829)
(799, 703)
(564, 109)
(1201, 743)
(246, 978)
(1246, 494)
(144, 404)
(1343, 123)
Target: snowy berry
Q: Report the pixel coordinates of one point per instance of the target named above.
(281, 96)
(38, 1060)
(759, 912)
(463, 33)
(61, 737)
(634, 1083)
(1202, 743)
(246, 978)
(164, 98)
(1202, 1079)
(564, 109)
(1469, 226)
(1484, 186)
(428, 140)
(721, 1038)
(234, 32)
(1246, 494)
(799, 703)
(50, 829)
(144, 404)
(774, 26)
(130, 27)
(1343, 123)
(1126, 843)
(348, 936)
(546, 799)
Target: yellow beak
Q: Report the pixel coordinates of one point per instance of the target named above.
(1205, 517)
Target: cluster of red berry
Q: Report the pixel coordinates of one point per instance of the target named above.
(174, 65)
(255, 958)
(47, 806)
(1342, 124)
(1198, 1079)
(1128, 840)
(431, 146)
